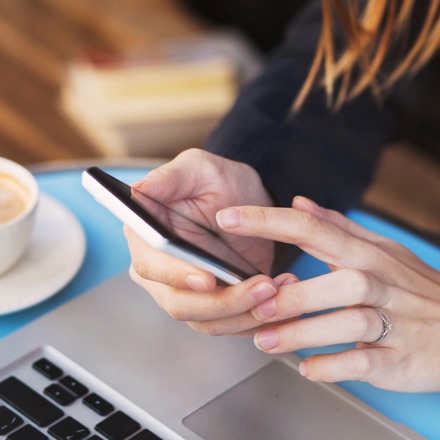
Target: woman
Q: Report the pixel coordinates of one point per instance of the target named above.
(314, 124)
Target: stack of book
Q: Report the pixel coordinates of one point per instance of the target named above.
(158, 102)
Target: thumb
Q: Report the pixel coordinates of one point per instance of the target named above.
(182, 178)
(169, 183)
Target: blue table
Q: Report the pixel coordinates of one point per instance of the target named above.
(107, 255)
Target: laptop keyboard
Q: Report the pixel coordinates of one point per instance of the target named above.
(27, 413)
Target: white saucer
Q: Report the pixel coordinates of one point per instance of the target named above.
(55, 254)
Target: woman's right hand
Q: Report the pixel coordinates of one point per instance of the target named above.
(197, 184)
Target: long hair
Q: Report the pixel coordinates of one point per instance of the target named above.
(370, 32)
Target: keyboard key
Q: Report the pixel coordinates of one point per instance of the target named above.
(59, 394)
(47, 369)
(118, 426)
(28, 432)
(75, 387)
(8, 420)
(69, 429)
(98, 404)
(145, 435)
(28, 402)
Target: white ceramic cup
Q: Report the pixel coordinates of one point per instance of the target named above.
(18, 204)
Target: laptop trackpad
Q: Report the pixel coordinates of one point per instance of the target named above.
(277, 403)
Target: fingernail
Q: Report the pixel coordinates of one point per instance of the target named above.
(137, 184)
(290, 279)
(265, 310)
(266, 339)
(229, 218)
(196, 282)
(310, 203)
(304, 368)
(262, 291)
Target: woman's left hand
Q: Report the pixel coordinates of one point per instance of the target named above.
(386, 299)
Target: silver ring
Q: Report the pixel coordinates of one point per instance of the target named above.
(386, 328)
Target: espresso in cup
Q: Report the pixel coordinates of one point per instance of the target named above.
(14, 197)
(18, 203)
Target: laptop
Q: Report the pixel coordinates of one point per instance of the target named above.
(112, 365)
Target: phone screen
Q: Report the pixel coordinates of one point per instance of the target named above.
(180, 230)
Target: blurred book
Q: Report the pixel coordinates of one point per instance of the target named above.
(160, 101)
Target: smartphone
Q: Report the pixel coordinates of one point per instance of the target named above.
(167, 230)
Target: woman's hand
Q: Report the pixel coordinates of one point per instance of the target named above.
(197, 184)
(377, 287)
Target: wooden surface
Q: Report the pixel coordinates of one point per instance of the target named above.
(37, 37)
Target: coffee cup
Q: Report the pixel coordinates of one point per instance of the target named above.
(18, 204)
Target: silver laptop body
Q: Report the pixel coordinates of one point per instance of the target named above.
(178, 383)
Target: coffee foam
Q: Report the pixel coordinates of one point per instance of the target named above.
(14, 198)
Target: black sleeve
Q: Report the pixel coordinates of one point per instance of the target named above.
(329, 157)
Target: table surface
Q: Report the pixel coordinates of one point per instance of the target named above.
(107, 255)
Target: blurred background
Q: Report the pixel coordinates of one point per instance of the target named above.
(85, 79)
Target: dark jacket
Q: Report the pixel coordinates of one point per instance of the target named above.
(327, 156)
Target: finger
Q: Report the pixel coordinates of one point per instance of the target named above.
(359, 324)
(317, 237)
(182, 178)
(152, 264)
(345, 287)
(241, 325)
(410, 268)
(164, 184)
(188, 305)
(336, 218)
(244, 324)
(375, 365)
(285, 279)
